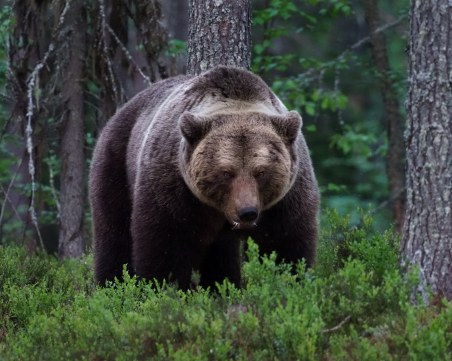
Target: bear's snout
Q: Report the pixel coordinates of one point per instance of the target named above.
(243, 208)
(248, 214)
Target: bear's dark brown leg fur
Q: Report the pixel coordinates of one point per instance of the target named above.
(290, 228)
(222, 260)
(111, 209)
(163, 248)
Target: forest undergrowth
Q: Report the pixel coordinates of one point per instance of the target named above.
(355, 304)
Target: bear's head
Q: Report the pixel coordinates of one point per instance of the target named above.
(239, 163)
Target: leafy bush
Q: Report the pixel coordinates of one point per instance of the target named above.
(354, 305)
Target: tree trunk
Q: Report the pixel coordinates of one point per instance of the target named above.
(64, 55)
(25, 51)
(71, 242)
(175, 18)
(395, 163)
(219, 34)
(128, 56)
(427, 238)
(176, 22)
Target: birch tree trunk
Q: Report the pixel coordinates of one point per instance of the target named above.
(219, 34)
(427, 238)
(71, 242)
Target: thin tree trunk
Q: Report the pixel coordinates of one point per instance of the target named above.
(153, 36)
(71, 242)
(395, 125)
(427, 238)
(219, 34)
(176, 18)
(26, 49)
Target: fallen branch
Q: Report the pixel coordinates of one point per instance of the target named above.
(337, 327)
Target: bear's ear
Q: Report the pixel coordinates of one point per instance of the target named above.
(193, 127)
(288, 126)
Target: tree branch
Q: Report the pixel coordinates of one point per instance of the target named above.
(337, 327)
(29, 139)
(127, 54)
(103, 25)
(31, 82)
(353, 47)
(6, 193)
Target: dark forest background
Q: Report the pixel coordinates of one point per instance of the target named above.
(65, 68)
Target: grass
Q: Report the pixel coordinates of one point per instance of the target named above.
(356, 304)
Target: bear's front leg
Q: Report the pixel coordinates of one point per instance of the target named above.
(161, 247)
(222, 259)
(289, 229)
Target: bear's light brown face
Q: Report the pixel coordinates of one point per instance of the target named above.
(240, 164)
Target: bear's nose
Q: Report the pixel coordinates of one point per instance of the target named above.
(248, 214)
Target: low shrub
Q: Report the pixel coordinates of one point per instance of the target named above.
(353, 305)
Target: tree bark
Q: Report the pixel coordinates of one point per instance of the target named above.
(427, 238)
(395, 163)
(71, 240)
(219, 34)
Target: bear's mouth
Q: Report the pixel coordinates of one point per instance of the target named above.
(243, 225)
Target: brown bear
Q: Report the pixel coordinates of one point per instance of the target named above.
(190, 167)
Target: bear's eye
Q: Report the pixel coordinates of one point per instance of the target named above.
(259, 174)
(228, 175)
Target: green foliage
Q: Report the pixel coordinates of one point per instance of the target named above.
(354, 305)
(304, 49)
(176, 47)
(6, 23)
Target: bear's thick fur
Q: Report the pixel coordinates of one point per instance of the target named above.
(190, 167)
